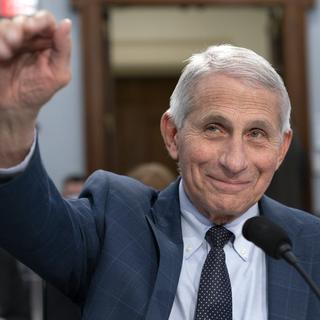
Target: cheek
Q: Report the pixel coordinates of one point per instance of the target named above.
(266, 163)
(195, 154)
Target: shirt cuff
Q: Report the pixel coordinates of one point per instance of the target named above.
(19, 168)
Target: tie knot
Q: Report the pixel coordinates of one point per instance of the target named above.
(218, 236)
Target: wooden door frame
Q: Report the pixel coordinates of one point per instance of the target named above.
(98, 110)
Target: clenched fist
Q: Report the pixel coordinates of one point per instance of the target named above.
(34, 64)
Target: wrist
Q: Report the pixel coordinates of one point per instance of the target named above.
(14, 145)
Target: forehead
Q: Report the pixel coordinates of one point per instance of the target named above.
(221, 94)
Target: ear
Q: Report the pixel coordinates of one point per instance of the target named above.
(284, 147)
(169, 134)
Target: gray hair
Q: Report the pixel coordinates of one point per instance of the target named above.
(236, 62)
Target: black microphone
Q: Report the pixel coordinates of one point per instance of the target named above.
(274, 241)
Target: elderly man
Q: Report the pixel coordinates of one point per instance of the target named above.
(125, 251)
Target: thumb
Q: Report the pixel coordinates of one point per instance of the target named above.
(62, 46)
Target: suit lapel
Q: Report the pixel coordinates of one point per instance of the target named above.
(287, 294)
(165, 223)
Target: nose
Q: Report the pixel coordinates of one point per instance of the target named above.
(233, 158)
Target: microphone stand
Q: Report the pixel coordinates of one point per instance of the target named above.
(288, 255)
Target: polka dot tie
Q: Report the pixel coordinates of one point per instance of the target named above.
(214, 295)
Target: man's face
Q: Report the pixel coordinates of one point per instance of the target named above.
(229, 146)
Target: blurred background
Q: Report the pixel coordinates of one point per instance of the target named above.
(127, 56)
(126, 60)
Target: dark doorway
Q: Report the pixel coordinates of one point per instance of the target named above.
(139, 104)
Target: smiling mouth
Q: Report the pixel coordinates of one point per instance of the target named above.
(229, 185)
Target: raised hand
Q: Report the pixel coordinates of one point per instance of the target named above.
(34, 64)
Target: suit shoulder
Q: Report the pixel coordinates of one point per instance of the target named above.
(105, 185)
(293, 218)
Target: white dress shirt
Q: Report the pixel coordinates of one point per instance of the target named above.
(245, 262)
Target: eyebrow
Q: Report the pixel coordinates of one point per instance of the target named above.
(261, 124)
(265, 125)
(216, 118)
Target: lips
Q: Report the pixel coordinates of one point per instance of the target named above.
(228, 185)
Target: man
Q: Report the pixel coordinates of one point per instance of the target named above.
(152, 174)
(125, 251)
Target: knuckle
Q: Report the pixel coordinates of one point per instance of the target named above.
(19, 19)
(65, 78)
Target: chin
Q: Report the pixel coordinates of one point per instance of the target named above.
(229, 209)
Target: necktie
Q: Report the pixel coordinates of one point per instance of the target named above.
(214, 295)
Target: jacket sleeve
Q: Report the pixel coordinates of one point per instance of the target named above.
(58, 239)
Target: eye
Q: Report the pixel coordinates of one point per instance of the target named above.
(214, 131)
(213, 128)
(257, 133)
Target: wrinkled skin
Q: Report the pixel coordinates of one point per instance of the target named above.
(229, 146)
(34, 64)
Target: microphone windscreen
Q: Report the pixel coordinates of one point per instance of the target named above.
(266, 234)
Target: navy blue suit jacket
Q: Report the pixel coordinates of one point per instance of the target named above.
(118, 250)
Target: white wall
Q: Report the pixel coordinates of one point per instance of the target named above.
(148, 40)
(314, 95)
(61, 121)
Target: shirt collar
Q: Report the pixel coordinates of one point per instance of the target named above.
(195, 225)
